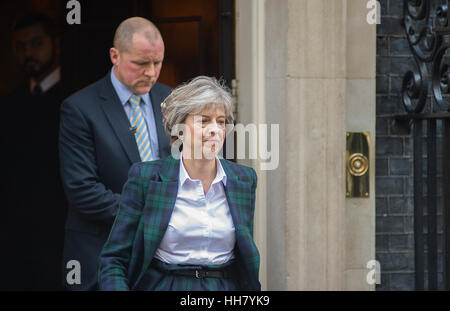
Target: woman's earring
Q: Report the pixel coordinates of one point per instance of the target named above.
(182, 138)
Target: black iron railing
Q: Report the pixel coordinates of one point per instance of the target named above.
(428, 32)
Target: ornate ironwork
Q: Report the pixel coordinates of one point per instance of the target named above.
(429, 40)
(424, 42)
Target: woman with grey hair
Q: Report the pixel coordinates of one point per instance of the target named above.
(186, 222)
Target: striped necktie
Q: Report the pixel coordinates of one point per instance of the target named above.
(137, 121)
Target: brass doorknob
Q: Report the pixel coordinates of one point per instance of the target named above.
(357, 164)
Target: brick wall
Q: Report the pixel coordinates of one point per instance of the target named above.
(394, 162)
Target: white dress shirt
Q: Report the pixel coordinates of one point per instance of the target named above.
(48, 81)
(200, 230)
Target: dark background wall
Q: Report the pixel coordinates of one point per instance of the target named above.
(394, 161)
(10, 74)
(198, 36)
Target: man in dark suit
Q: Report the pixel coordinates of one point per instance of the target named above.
(33, 213)
(105, 128)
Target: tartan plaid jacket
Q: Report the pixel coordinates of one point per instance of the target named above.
(148, 199)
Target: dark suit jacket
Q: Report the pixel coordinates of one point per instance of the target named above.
(147, 203)
(33, 209)
(97, 149)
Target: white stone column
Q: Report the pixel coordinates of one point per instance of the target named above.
(360, 117)
(315, 154)
(250, 72)
(317, 57)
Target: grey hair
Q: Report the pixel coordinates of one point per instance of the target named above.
(192, 98)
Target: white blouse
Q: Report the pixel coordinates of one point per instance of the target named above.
(201, 230)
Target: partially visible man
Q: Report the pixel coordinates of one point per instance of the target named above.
(105, 128)
(34, 212)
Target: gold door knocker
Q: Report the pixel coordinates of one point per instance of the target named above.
(357, 165)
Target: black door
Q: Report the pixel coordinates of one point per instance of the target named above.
(198, 36)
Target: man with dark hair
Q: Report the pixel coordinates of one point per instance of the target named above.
(34, 213)
(36, 47)
(105, 128)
